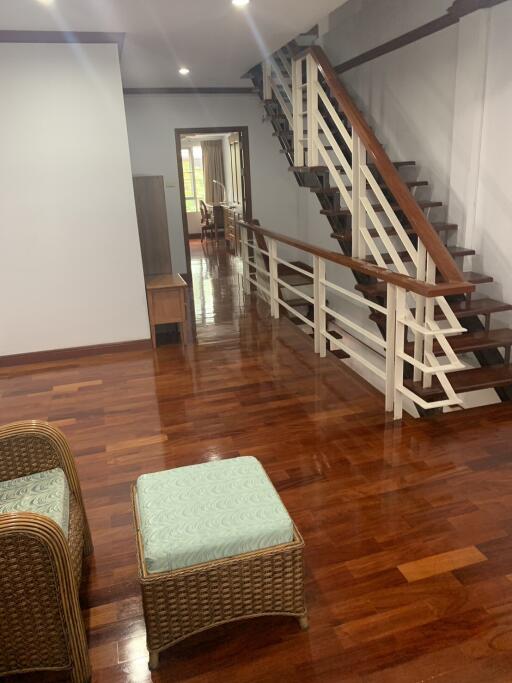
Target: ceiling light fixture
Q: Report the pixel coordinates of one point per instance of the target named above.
(240, 3)
(184, 71)
(45, 2)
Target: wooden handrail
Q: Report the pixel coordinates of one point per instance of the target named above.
(405, 200)
(404, 281)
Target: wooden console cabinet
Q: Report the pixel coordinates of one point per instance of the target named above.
(231, 231)
(167, 303)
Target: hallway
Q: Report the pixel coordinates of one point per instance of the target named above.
(408, 528)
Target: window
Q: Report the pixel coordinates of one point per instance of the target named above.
(193, 176)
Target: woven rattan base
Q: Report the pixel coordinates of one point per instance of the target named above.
(180, 603)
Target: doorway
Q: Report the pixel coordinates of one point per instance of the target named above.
(214, 176)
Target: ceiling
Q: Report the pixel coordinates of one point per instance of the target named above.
(216, 41)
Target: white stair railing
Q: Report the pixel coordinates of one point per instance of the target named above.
(278, 83)
(261, 270)
(324, 137)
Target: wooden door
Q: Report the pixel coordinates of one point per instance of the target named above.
(153, 226)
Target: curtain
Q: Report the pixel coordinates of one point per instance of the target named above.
(213, 168)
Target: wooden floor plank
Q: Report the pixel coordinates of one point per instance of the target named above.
(441, 563)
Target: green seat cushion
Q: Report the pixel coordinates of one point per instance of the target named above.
(200, 513)
(45, 493)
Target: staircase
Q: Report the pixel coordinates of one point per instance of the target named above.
(285, 83)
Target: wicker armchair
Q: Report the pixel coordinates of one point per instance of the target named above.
(41, 625)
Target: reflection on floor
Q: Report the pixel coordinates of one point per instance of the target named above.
(408, 528)
(218, 296)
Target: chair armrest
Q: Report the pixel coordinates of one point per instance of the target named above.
(35, 446)
(39, 597)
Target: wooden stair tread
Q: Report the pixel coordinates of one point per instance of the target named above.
(390, 230)
(462, 309)
(283, 268)
(323, 169)
(305, 147)
(292, 277)
(380, 288)
(472, 341)
(489, 377)
(483, 306)
(456, 252)
(334, 190)
(339, 353)
(378, 208)
(294, 303)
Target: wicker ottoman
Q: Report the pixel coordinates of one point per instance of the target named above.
(215, 544)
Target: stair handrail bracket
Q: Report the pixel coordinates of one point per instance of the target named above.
(266, 271)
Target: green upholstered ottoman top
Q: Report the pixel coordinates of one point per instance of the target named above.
(45, 493)
(200, 513)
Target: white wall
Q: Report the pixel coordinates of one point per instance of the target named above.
(492, 235)
(70, 264)
(152, 120)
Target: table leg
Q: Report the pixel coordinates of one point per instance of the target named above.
(184, 321)
(153, 661)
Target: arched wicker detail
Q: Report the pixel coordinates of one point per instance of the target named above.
(41, 625)
(35, 446)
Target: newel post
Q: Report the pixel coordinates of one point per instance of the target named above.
(273, 272)
(267, 80)
(244, 234)
(319, 299)
(297, 114)
(312, 104)
(390, 346)
(400, 312)
(358, 195)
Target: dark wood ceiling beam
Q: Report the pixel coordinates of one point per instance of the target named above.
(84, 37)
(459, 9)
(190, 91)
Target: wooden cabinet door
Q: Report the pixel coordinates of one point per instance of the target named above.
(153, 226)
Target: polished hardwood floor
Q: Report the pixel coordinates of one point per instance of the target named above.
(408, 527)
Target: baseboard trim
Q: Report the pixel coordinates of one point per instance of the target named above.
(74, 352)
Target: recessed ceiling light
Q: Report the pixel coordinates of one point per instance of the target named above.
(240, 3)
(45, 2)
(184, 71)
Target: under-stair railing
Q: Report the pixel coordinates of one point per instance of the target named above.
(330, 134)
(261, 269)
(277, 73)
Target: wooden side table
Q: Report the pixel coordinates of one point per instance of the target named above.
(167, 303)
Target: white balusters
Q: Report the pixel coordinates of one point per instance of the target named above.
(298, 117)
(267, 80)
(391, 350)
(312, 107)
